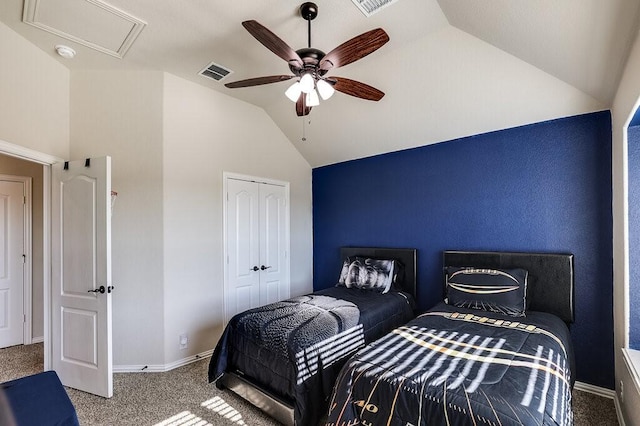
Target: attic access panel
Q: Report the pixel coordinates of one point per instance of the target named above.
(92, 23)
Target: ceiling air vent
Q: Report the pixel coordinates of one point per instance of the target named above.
(369, 7)
(215, 71)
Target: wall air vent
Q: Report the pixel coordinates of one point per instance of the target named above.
(215, 71)
(369, 7)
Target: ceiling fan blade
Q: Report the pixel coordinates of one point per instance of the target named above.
(354, 49)
(301, 109)
(273, 43)
(258, 81)
(355, 88)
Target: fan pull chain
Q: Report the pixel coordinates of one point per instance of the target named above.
(304, 137)
(304, 133)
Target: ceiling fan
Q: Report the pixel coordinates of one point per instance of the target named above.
(310, 65)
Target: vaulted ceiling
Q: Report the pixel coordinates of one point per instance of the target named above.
(451, 68)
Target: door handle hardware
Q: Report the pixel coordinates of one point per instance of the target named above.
(255, 268)
(102, 289)
(265, 267)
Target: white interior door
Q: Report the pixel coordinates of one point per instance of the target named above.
(274, 284)
(257, 244)
(81, 275)
(243, 249)
(12, 261)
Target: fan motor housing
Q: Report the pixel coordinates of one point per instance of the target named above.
(311, 58)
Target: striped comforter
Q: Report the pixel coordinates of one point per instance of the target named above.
(454, 366)
(294, 349)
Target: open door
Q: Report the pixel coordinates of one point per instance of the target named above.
(81, 275)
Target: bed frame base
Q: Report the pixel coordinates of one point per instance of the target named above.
(270, 404)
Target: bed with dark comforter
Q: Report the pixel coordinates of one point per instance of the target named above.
(292, 351)
(458, 365)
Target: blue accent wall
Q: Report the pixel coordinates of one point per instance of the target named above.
(544, 187)
(633, 155)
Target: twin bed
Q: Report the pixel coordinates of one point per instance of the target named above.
(499, 352)
(284, 357)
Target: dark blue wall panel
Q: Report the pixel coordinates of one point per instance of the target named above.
(544, 187)
(633, 135)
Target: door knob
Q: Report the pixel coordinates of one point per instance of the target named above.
(265, 267)
(255, 268)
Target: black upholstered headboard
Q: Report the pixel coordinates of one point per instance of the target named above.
(406, 256)
(551, 279)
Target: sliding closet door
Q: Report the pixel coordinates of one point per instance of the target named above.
(257, 244)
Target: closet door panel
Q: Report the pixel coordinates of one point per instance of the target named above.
(273, 244)
(243, 247)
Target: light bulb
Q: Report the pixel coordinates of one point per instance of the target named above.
(306, 83)
(293, 92)
(325, 89)
(312, 98)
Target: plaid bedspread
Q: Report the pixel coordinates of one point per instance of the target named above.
(453, 366)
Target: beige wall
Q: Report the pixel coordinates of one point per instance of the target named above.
(205, 134)
(170, 141)
(624, 105)
(34, 96)
(34, 113)
(120, 114)
(16, 167)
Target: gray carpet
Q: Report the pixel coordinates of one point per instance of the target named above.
(183, 397)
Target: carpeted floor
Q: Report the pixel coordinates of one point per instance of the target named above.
(183, 397)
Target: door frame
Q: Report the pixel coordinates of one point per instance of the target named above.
(46, 160)
(27, 278)
(226, 176)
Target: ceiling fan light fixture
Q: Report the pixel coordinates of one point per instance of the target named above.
(325, 89)
(307, 83)
(312, 98)
(293, 92)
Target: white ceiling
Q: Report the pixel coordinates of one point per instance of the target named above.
(452, 68)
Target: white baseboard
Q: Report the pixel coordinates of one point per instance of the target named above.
(161, 368)
(37, 340)
(603, 392)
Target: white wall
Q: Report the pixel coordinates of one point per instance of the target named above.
(205, 134)
(34, 96)
(624, 105)
(120, 114)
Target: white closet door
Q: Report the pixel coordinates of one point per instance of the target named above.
(243, 248)
(257, 244)
(274, 285)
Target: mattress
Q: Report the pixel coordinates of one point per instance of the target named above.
(459, 366)
(294, 349)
